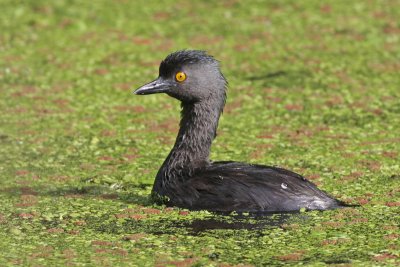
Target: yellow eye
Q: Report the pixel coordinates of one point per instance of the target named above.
(180, 76)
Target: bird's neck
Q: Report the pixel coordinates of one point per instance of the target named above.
(198, 126)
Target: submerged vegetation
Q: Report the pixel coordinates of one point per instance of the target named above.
(314, 87)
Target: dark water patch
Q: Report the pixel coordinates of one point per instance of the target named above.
(252, 221)
(194, 227)
(283, 79)
(267, 76)
(232, 222)
(128, 195)
(337, 261)
(4, 137)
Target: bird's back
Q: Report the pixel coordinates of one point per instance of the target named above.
(235, 186)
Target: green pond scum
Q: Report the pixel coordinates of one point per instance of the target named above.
(314, 87)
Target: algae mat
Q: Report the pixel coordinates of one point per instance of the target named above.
(313, 86)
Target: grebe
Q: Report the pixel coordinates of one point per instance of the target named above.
(188, 179)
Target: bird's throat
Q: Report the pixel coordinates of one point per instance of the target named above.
(198, 125)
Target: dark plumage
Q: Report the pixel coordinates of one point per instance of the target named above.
(189, 179)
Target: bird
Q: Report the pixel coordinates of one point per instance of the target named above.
(189, 179)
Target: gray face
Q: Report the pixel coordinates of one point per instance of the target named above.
(189, 76)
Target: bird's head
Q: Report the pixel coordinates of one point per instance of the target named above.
(189, 76)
